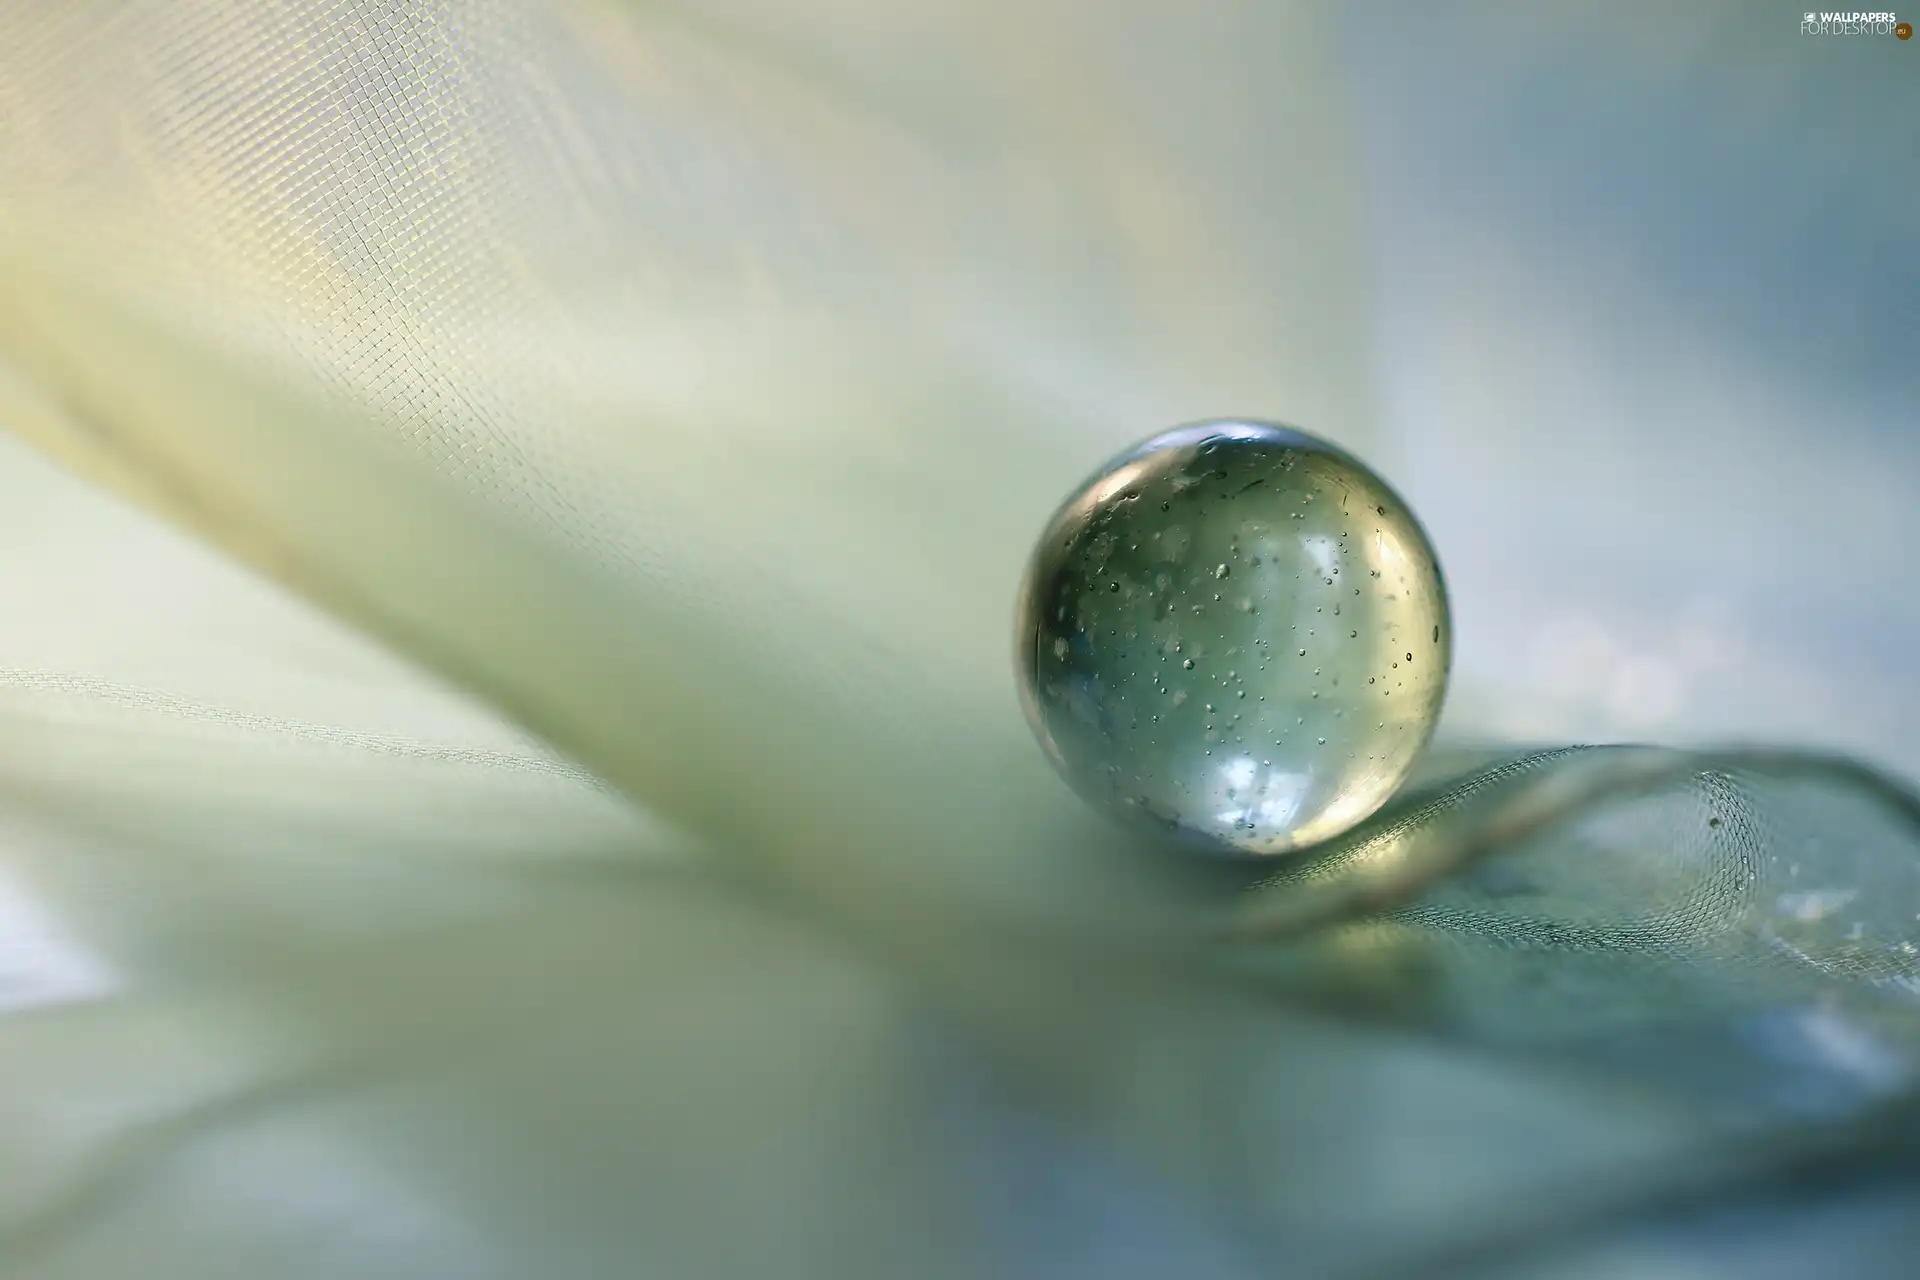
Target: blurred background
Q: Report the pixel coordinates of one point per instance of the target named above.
(1645, 307)
(1618, 296)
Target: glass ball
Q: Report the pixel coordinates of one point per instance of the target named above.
(1237, 633)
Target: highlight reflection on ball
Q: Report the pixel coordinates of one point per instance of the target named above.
(1236, 632)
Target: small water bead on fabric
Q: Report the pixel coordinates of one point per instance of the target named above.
(1119, 605)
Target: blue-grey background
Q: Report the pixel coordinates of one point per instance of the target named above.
(1646, 303)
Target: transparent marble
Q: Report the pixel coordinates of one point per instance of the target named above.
(1237, 633)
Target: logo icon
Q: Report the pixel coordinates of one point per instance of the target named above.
(1809, 22)
(1904, 30)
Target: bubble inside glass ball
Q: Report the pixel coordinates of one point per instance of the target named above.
(1235, 632)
